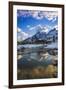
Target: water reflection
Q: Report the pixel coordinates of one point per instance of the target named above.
(36, 62)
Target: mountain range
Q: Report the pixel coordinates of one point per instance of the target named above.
(42, 37)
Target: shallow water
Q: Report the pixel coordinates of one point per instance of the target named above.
(36, 63)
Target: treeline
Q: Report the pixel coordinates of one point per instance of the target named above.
(33, 42)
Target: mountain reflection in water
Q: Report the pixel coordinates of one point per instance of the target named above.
(36, 62)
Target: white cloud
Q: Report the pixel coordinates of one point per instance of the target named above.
(50, 15)
(37, 15)
(21, 35)
(24, 13)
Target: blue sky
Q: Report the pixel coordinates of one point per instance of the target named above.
(30, 21)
